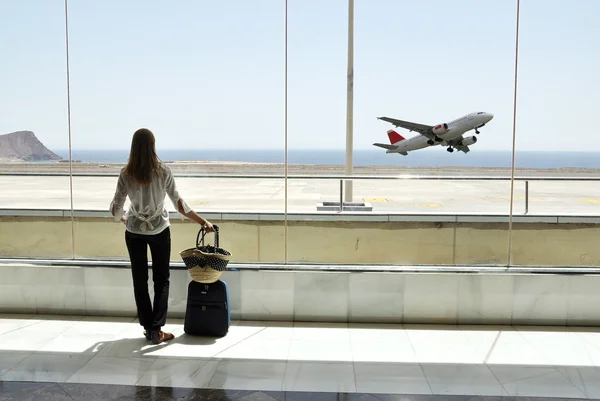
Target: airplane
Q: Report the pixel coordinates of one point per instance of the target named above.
(445, 134)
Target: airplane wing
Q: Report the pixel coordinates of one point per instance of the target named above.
(463, 148)
(455, 143)
(421, 128)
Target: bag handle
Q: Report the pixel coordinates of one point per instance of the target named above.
(203, 232)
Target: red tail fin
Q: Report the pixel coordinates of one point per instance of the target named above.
(394, 136)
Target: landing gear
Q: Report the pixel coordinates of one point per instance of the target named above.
(430, 142)
(450, 149)
(476, 131)
(437, 139)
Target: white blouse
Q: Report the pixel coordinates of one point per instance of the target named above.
(147, 213)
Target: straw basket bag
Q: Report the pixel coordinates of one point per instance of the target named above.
(205, 263)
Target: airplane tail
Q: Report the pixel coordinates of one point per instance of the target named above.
(394, 139)
(385, 146)
(394, 136)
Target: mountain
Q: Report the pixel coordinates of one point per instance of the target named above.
(24, 146)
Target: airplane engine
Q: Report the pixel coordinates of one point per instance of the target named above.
(469, 141)
(440, 129)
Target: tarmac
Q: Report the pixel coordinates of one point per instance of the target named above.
(264, 194)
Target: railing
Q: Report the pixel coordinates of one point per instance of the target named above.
(342, 178)
(467, 237)
(333, 176)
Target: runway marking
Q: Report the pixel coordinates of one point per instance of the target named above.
(375, 200)
(594, 201)
(430, 205)
(198, 203)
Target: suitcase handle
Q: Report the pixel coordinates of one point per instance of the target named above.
(203, 232)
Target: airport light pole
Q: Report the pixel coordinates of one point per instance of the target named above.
(350, 100)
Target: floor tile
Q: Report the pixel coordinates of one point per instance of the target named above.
(396, 351)
(255, 349)
(320, 376)
(30, 391)
(511, 348)
(42, 367)
(30, 338)
(590, 335)
(272, 331)
(508, 373)
(195, 373)
(249, 375)
(444, 344)
(103, 370)
(97, 325)
(381, 343)
(586, 379)
(108, 319)
(462, 380)
(13, 322)
(187, 346)
(128, 348)
(321, 331)
(366, 362)
(56, 323)
(101, 392)
(78, 343)
(374, 331)
(9, 360)
(323, 351)
(535, 381)
(390, 378)
(562, 348)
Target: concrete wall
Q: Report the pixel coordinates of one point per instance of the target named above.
(334, 239)
(400, 297)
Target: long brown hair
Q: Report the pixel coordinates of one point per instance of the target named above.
(143, 161)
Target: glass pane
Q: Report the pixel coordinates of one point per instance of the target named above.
(34, 210)
(444, 83)
(558, 97)
(207, 79)
(316, 121)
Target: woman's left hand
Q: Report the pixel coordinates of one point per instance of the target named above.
(123, 220)
(209, 227)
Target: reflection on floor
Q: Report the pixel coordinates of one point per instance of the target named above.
(303, 357)
(32, 391)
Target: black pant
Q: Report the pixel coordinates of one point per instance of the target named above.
(160, 249)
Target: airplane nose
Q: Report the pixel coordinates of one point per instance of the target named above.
(490, 116)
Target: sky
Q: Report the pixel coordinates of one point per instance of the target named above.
(210, 74)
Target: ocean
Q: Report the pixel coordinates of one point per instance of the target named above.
(424, 158)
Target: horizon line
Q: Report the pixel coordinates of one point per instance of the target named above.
(308, 149)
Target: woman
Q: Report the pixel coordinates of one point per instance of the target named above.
(146, 180)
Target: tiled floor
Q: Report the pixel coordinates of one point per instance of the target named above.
(306, 357)
(33, 391)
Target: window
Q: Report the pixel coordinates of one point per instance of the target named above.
(553, 98)
(210, 83)
(35, 210)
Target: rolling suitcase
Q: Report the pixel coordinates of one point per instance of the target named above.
(207, 312)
